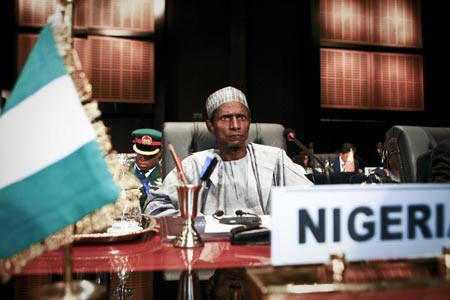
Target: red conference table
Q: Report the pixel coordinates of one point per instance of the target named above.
(140, 256)
(148, 253)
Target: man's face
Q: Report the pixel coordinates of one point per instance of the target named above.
(146, 162)
(230, 124)
(344, 156)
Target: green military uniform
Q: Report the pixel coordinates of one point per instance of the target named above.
(154, 179)
(147, 143)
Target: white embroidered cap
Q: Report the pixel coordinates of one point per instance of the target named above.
(227, 94)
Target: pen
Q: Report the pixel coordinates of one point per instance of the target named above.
(178, 164)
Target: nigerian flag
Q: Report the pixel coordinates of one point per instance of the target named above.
(52, 170)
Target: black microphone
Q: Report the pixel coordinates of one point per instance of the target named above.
(240, 213)
(289, 134)
(241, 219)
(218, 214)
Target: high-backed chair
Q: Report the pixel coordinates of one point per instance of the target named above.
(413, 146)
(189, 137)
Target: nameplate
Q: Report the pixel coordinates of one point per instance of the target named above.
(365, 222)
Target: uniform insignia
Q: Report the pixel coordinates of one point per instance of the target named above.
(146, 140)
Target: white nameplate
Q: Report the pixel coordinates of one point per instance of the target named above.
(365, 222)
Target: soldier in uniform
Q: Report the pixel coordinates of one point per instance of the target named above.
(147, 165)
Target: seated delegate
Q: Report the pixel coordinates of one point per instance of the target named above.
(245, 172)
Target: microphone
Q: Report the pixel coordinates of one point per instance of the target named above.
(218, 214)
(240, 213)
(254, 219)
(289, 134)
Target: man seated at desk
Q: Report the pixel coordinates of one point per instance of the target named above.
(346, 161)
(245, 172)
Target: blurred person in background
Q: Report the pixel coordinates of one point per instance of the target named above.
(346, 161)
(304, 160)
(376, 156)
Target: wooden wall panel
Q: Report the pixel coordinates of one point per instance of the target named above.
(398, 82)
(344, 79)
(119, 69)
(345, 21)
(132, 15)
(366, 80)
(393, 23)
(26, 42)
(34, 13)
(371, 78)
(122, 70)
(81, 16)
(397, 23)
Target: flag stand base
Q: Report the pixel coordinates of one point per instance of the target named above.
(70, 289)
(75, 290)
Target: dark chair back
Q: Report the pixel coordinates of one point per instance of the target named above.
(414, 145)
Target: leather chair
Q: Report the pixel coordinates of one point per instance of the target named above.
(189, 137)
(413, 146)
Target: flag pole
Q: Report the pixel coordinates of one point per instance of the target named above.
(68, 269)
(70, 289)
(68, 20)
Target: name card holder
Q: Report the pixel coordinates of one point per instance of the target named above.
(360, 222)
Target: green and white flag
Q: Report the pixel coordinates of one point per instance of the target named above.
(52, 170)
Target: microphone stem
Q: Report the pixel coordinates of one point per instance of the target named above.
(361, 160)
(321, 163)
